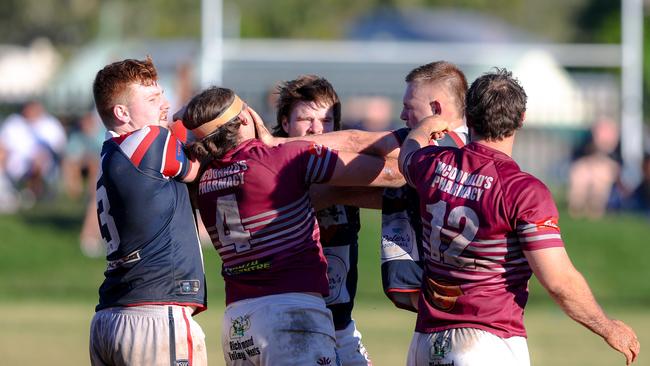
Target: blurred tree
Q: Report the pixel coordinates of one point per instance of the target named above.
(299, 19)
(64, 22)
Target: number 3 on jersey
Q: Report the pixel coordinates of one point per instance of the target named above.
(105, 218)
(229, 226)
(459, 241)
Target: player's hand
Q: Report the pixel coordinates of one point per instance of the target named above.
(263, 133)
(623, 339)
(435, 126)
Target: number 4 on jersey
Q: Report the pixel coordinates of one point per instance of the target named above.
(229, 226)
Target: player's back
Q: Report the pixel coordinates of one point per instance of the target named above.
(153, 250)
(256, 207)
(476, 205)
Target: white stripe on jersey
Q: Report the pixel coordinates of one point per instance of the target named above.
(164, 159)
(528, 239)
(131, 143)
(277, 229)
(309, 168)
(305, 219)
(328, 155)
(275, 212)
(263, 250)
(292, 221)
(314, 173)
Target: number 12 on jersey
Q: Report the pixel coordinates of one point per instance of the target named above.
(458, 241)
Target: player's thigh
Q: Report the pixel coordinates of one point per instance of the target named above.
(351, 350)
(146, 335)
(467, 347)
(288, 329)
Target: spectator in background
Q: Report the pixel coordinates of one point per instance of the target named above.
(34, 141)
(639, 199)
(8, 195)
(592, 176)
(81, 160)
(370, 113)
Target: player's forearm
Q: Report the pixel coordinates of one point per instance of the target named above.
(356, 141)
(363, 170)
(389, 176)
(573, 295)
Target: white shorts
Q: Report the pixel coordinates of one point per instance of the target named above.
(284, 329)
(349, 347)
(466, 347)
(147, 335)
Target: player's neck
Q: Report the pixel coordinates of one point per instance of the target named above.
(455, 123)
(504, 145)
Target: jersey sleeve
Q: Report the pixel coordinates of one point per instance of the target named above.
(315, 163)
(400, 134)
(179, 131)
(416, 164)
(537, 217)
(156, 151)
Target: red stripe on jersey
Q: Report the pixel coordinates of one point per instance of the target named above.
(138, 154)
(190, 344)
(179, 130)
(171, 165)
(119, 139)
(454, 136)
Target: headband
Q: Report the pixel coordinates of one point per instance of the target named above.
(233, 110)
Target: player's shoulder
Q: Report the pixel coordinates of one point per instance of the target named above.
(522, 184)
(432, 151)
(303, 147)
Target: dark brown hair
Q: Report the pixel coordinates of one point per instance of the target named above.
(306, 88)
(446, 73)
(111, 85)
(204, 107)
(496, 104)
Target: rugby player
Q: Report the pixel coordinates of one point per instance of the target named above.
(154, 281)
(487, 227)
(436, 88)
(254, 201)
(309, 105)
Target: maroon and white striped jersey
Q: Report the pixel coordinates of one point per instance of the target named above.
(479, 213)
(255, 204)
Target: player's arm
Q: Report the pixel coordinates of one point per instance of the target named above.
(324, 195)
(365, 170)
(193, 171)
(181, 134)
(419, 137)
(568, 288)
(382, 143)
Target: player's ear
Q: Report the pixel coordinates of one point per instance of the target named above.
(121, 113)
(285, 124)
(436, 108)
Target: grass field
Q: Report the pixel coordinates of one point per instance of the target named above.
(48, 291)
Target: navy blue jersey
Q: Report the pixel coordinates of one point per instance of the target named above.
(401, 232)
(339, 229)
(153, 251)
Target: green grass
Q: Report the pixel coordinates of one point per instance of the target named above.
(48, 290)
